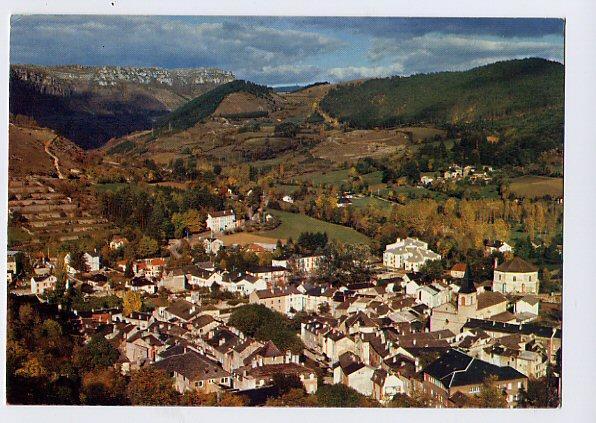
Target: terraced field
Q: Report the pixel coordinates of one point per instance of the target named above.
(45, 213)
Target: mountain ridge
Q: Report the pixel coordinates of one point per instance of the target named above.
(91, 105)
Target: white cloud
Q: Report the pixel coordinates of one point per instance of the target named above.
(438, 51)
(357, 72)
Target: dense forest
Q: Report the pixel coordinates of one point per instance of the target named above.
(518, 101)
(204, 105)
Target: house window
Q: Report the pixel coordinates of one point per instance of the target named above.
(509, 385)
(200, 383)
(474, 389)
(514, 279)
(519, 385)
(224, 380)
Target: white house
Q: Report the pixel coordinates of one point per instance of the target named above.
(409, 254)
(308, 264)
(212, 245)
(221, 221)
(288, 199)
(248, 284)
(425, 180)
(39, 284)
(528, 304)
(516, 276)
(498, 246)
(352, 372)
(118, 242)
(433, 295)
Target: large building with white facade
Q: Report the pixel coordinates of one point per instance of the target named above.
(221, 221)
(516, 276)
(409, 254)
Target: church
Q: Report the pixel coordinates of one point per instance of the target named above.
(470, 304)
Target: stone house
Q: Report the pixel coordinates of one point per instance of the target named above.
(516, 276)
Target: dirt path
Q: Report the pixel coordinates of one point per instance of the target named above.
(46, 147)
(328, 119)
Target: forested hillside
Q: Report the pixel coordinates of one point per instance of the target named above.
(514, 93)
(204, 105)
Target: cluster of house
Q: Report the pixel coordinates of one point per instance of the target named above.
(404, 335)
(196, 347)
(456, 172)
(401, 333)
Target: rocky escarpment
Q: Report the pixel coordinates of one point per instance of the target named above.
(90, 105)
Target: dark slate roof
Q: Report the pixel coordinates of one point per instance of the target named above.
(454, 368)
(183, 309)
(526, 329)
(193, 366)
(172, 351)
(516, 265)
(349, 363)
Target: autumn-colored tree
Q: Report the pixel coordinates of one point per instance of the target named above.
(232, 400)
(146, 247)
(295, 397)
(196, 398)
(490, 395)
(98, 353)
(103, 387)
(151, 386)
(131, 302)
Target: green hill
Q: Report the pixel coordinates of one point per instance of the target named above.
(204, 105)
(491, 95)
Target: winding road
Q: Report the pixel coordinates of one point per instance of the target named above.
(46, 147)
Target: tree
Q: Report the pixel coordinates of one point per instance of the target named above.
(197, 398)
(151, 386)
(432, 269)
(340, 395)
(286, 129)
(147, 247)
(131, 302)
(98, 353)
(78, 261)
(490, 396)
(266, 325)
(103, 387)
(295, 397)
(286, 382)
(232, 400)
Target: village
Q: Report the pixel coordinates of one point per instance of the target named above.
(404, 332)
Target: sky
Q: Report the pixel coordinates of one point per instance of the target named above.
(284, 50)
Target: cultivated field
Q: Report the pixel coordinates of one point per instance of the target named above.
(243, 238)
(537, 186)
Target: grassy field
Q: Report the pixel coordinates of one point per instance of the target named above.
(337, 177)
(536, 186)
(372, 201)
(373, 178)
(287, 189)
(293, 224)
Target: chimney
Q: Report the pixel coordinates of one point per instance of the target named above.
(496, 262)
